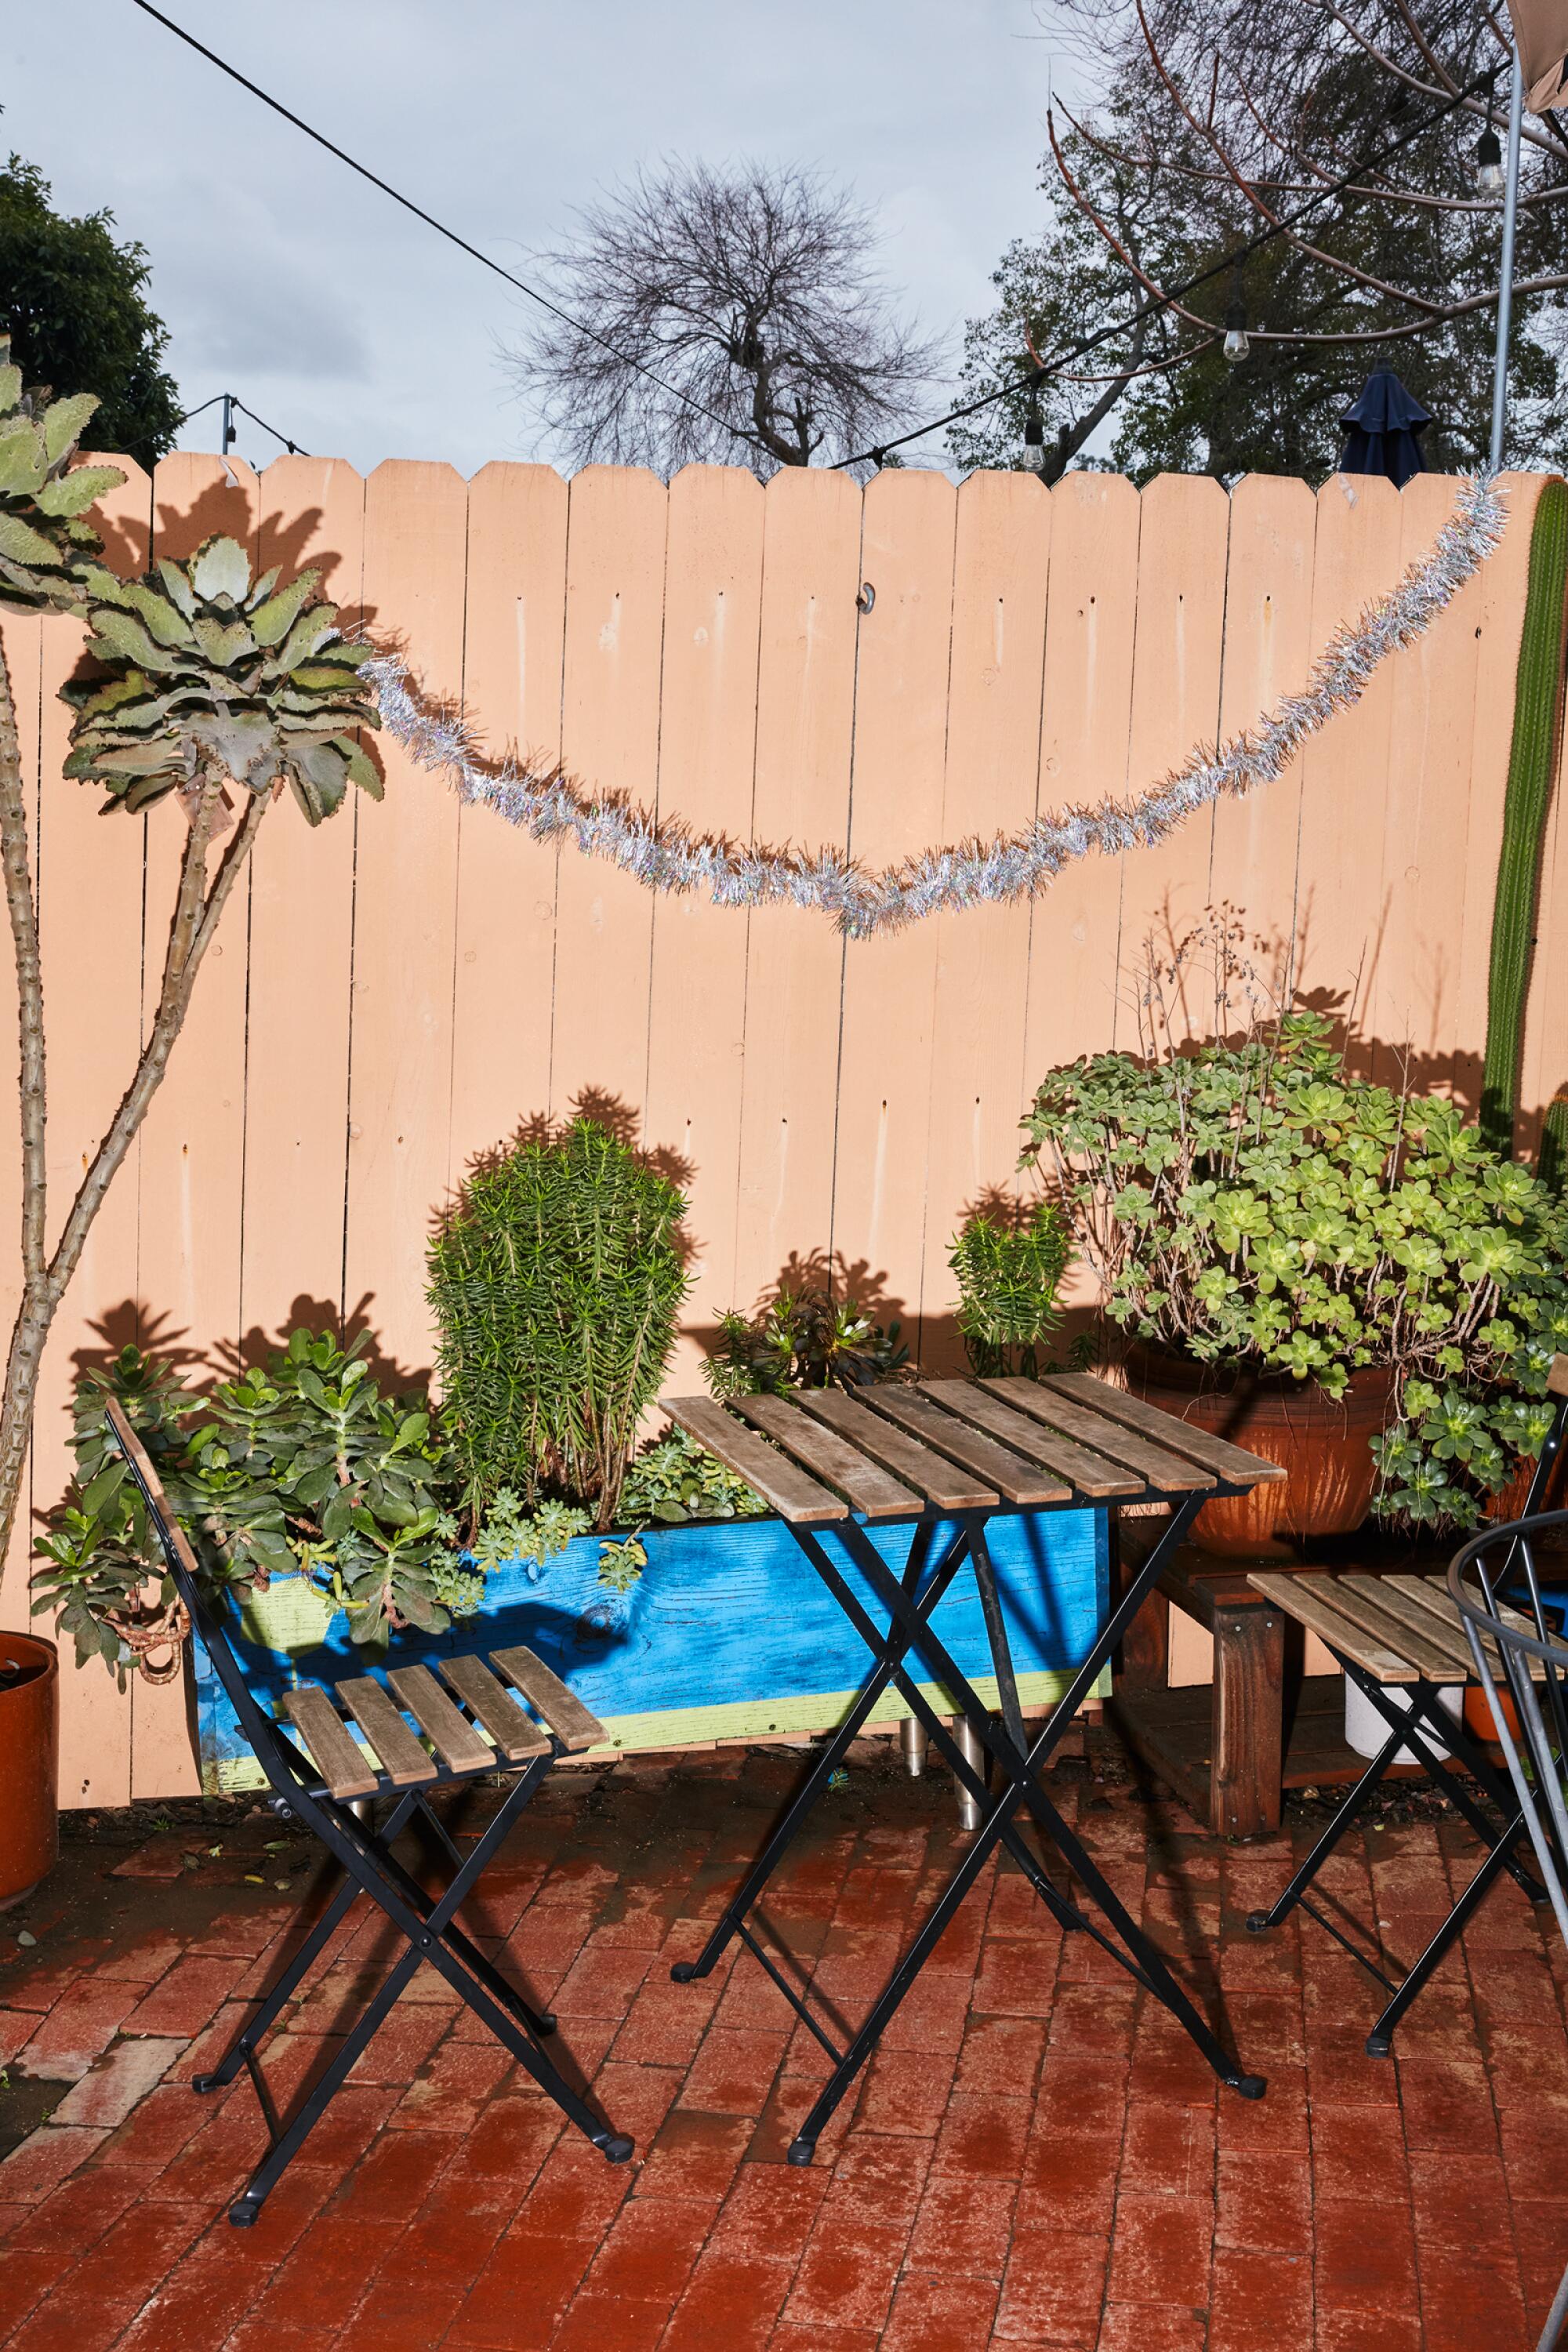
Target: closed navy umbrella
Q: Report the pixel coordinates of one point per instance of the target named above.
(1380, 430)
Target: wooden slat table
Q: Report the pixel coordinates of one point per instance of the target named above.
(947, 1456)
(1400, 1632)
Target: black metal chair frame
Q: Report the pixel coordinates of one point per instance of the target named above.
(909, 1601)
(364, 1855)
(1424, 1730)
(1537, 1721)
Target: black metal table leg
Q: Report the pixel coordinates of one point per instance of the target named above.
(888, 1654)
(1022, 1769)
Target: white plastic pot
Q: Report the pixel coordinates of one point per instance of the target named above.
(1365, 1729)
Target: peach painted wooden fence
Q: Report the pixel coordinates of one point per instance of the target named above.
(402, 990)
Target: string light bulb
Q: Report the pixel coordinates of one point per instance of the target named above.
(1488, 163)
(1235, 345)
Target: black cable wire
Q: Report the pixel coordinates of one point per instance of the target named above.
(1033, 377)
(440, 228)
(292, 447)
(198, 412)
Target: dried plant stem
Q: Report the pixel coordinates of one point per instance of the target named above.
(198, 908)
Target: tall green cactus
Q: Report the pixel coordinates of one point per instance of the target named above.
(1532, 760)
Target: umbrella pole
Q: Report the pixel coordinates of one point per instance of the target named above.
(1505, 286)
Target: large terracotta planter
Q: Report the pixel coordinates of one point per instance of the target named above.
(1324, 1442)
(29, 1764)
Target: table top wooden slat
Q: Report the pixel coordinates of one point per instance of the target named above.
(1232, 1463)
(548, 1696)
(1167, 1473)
(793, 1495)
(450, 1733)
(1019, 1480)
(939, 1481)
(1392, 1621)
(402, 1758)
(516, 1734)
(1309, 1599)
(335, 1752)
(822, 1451)
(1088, 1474)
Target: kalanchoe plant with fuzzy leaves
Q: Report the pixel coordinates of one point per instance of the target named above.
(212, 684)
(209, 668)
(44, 498)
(1255, 1205)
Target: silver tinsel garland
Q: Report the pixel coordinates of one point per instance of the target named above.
(664, 854)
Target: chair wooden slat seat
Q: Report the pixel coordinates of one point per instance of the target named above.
(451, 1735)
(548, 1697)
(334, 1751)
(404, 1759)
(515, 1734)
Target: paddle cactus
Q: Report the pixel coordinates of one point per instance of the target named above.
(43, 537)
(1538, 699)
(211, 670)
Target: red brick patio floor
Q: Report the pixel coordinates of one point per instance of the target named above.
(1036, 2157)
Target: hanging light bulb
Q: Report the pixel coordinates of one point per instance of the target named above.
(1236, 346)
(1034, 425)
(1488, 163)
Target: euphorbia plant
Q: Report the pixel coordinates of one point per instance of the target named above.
(211, 686)
(1253, 1205)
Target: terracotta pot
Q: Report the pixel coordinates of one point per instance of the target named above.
(1323, 1441)
(1482, 1724)
(29, 1761)
(1508, 1501)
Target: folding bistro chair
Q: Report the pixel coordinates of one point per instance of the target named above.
(1522, 1664)
(1407, 1632)
(325, 1784)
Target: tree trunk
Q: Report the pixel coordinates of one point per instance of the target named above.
(197, 911)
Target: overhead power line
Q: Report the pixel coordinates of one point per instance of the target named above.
(1033, 377)
(532, 292)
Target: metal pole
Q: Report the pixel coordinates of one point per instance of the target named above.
(969, 1743)
(229, 436)
(912, 1732)
(1505, 288)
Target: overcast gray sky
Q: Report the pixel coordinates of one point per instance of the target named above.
(354, 330)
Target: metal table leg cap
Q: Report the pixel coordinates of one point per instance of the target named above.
(545, 2025)
(1378, 2045)
(242, 2214)
(1251, 2086)
(614, 2147)
(205, 2082)
(683, 1971)
(801, 2151)
(1258, 1920)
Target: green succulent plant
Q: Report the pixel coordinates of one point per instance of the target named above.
(1009, 1268)
(210, 668)
(1257, 1205)
(43, 536)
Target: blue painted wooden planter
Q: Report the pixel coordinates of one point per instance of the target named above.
(729, 1635)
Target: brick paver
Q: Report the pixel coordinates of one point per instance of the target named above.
(1033, 2161)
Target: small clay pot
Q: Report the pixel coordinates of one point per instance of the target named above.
(1323, 1441)
(29, 1764)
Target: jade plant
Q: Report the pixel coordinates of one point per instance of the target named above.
(208, 684)
(1254, 1206)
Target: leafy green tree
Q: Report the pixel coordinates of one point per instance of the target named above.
(75, 300)
(1223, 114)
